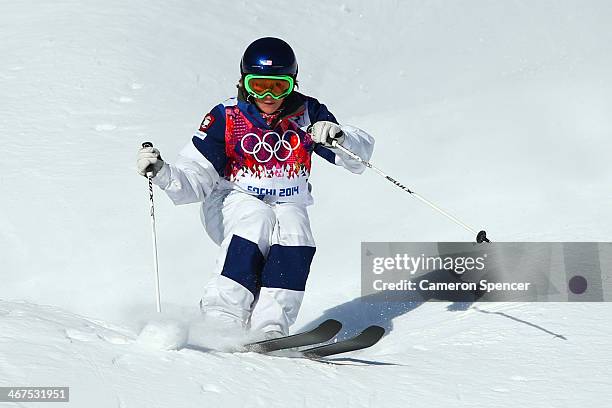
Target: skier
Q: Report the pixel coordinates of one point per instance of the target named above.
(249, 164)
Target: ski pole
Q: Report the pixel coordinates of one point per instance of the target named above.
(155, 260)
(481, 236)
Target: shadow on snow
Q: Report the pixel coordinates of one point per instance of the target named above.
(381, 308)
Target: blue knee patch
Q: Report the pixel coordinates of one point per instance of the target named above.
(287, 267)
(243, 263)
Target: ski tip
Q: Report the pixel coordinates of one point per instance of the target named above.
(331, 324)
(375, 331)
(367, 338)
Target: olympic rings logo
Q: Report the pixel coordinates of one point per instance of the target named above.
(281, 144)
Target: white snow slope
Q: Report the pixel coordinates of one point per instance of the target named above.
(499, 111)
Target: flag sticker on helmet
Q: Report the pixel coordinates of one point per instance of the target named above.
(207, 122)
(265, 62)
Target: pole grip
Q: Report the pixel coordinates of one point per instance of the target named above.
(149, 169)
(333, 141)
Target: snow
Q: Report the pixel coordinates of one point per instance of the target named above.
(164, 335)
(497, 111)
(493, 354)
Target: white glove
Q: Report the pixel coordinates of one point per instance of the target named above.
(149, 160)
(325, 132)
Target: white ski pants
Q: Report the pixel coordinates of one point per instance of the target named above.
(266, 252)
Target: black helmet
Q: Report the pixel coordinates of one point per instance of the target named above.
(269, 56)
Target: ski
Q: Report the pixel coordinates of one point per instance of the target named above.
(366, 338)
(322, 333)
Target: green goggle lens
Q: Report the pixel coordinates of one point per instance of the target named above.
(261, 86)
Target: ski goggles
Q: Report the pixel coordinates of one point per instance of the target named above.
(277, 86)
